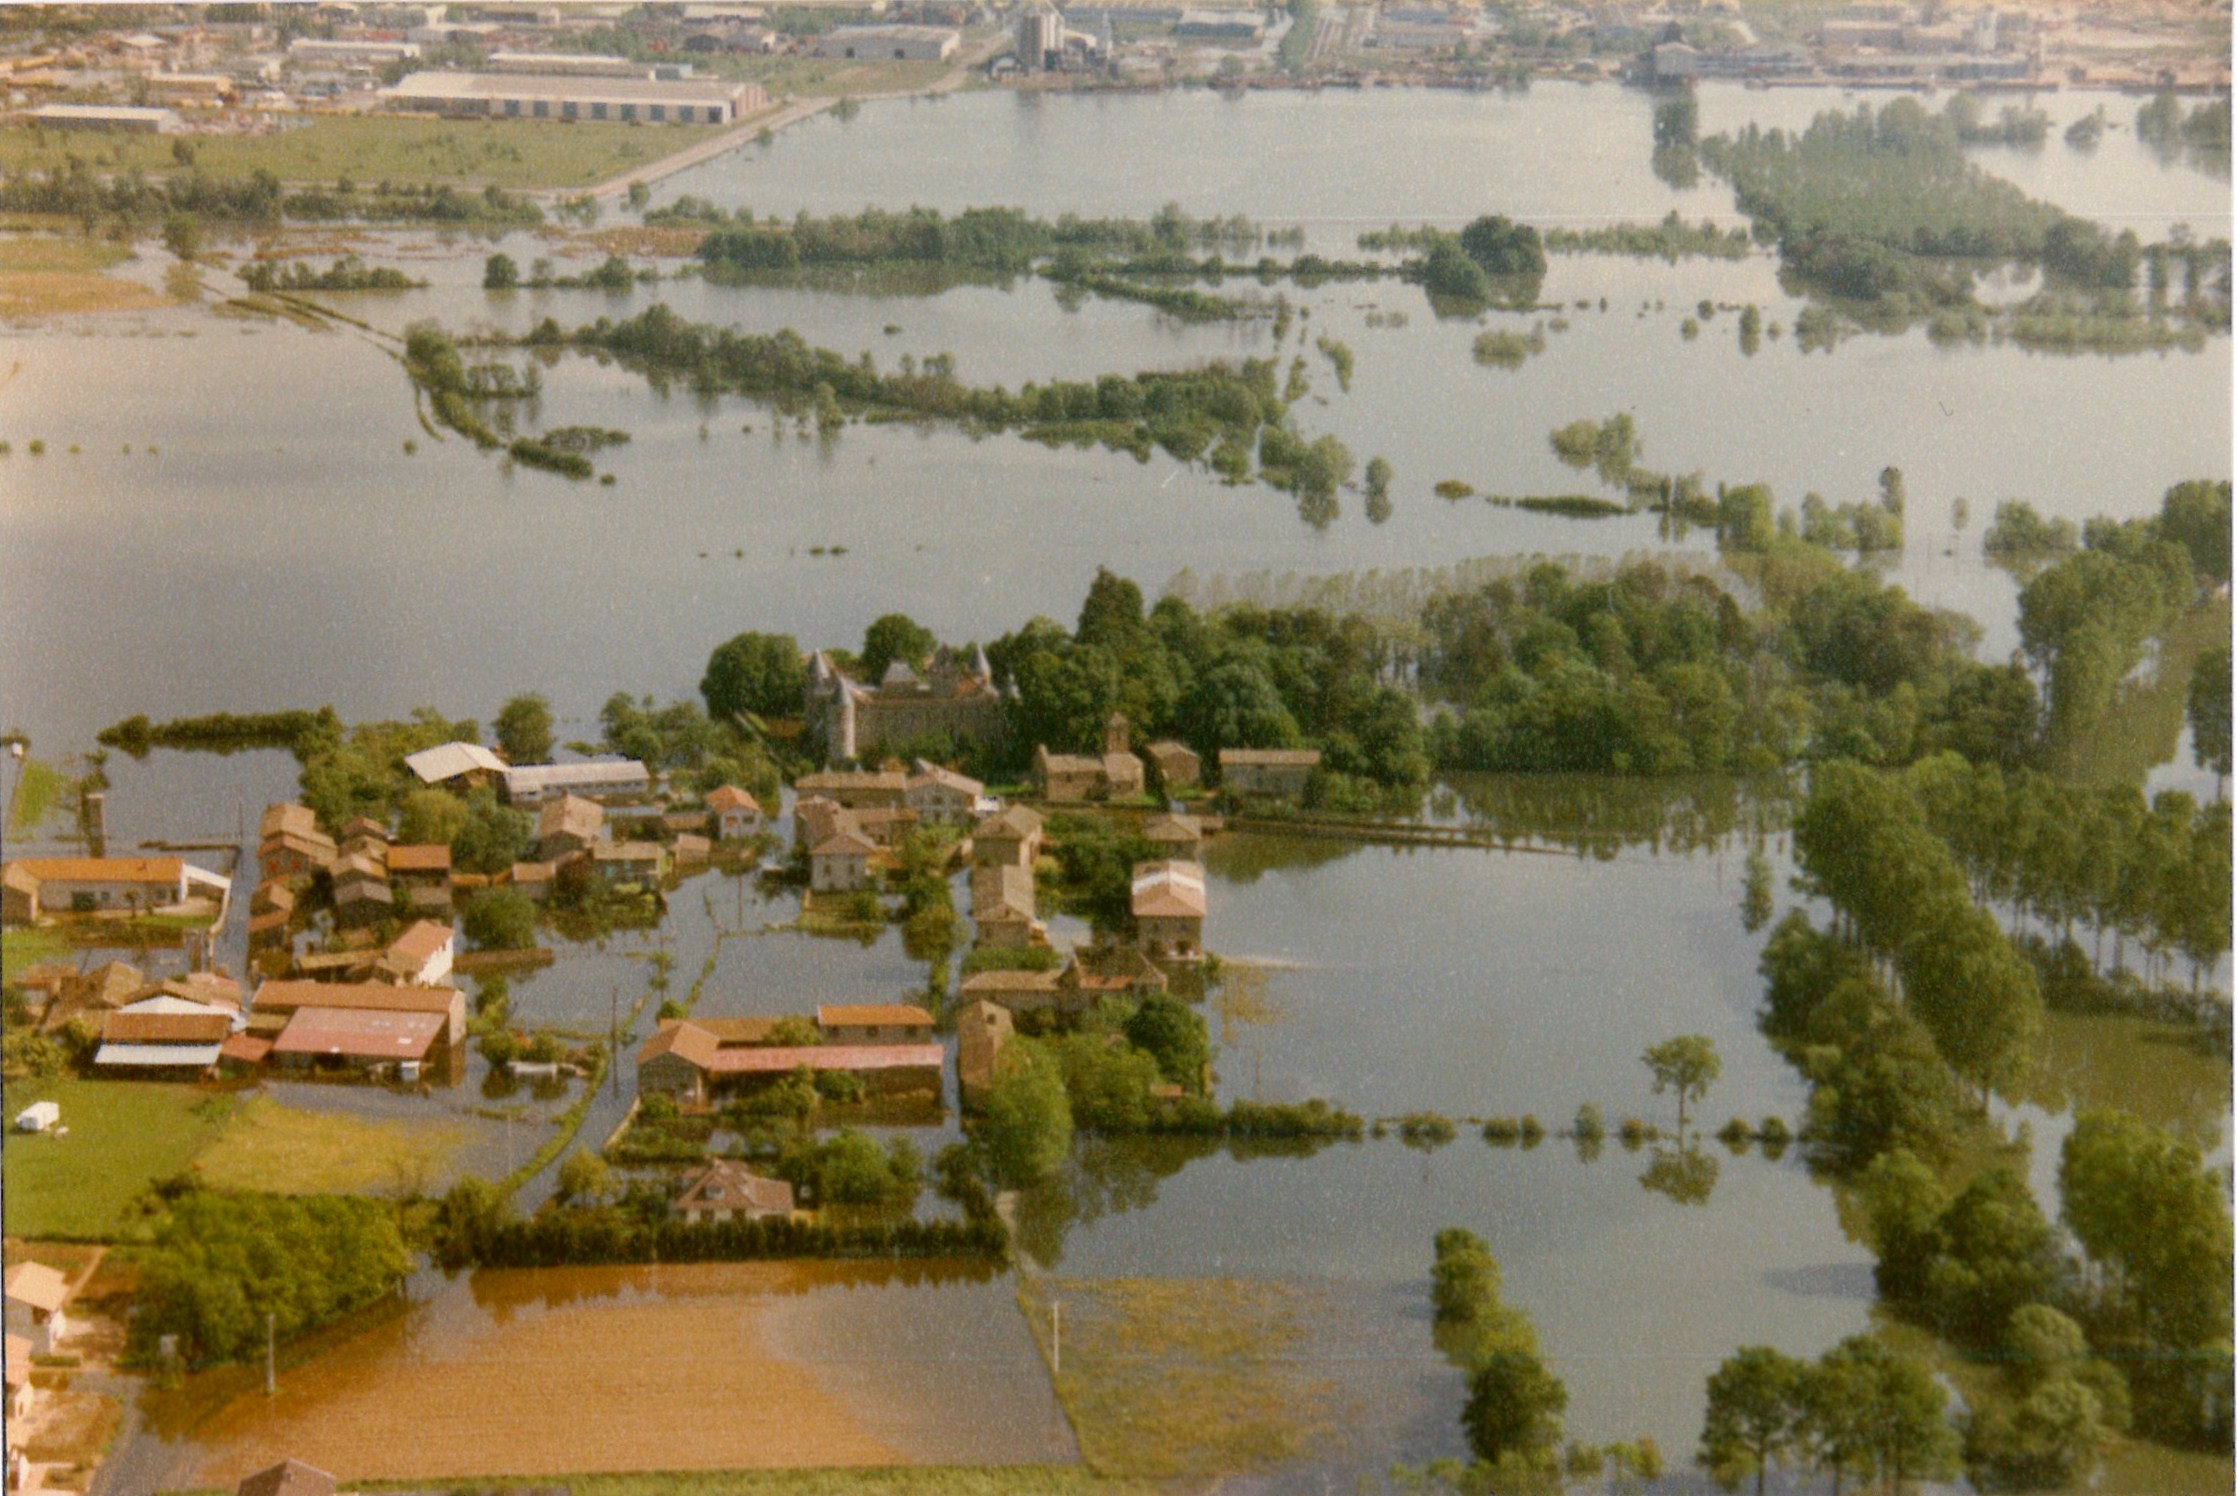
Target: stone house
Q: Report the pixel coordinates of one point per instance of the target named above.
(874, 1023)
(1270, 773)
(737, 814)
(1169, 903)
(1011, 838)
(568, 826)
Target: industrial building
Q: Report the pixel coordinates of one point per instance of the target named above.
(900, 43)
(542, 96)
(124, 118)
(309, 49)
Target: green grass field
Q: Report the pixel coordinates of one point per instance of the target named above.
(21, 949)
(371, 148)
(285, 1150)
(124, 1136)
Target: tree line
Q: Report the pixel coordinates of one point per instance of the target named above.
(76, 191)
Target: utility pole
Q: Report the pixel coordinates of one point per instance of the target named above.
(1056, 1337)
(271, 1355)
(613, 1038)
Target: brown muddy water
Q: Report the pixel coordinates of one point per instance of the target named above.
(699, 1367)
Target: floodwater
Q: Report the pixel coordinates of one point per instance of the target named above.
(273, 545)
(706, 1366)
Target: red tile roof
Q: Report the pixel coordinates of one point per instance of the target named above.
(872, 1015)
(359, 1033)
(166, 1028)
(279, 996)
(827, 1057)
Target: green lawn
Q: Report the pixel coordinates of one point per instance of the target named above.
(24, 948)
(123, 1137)
(370, 148)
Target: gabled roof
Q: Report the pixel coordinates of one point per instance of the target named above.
(1270, 758)
(1014, 824)
(359, 1033)
(686, 1041)
(995, 890)
(844, 844)
(299, 819)
(570, 815)
(166, 1028)
(425, 857)
(777, 1060)
(872, 1015)
(362, 889)
(931, 774)
(730, 797)
(38, 1285)
(283, 995)
(287, 1478)
(1173, 829)
(725, 1184)
(101, 869)
(450, 760)
(840, 781)
(632, 851)
(159, 1056)
(1010, 981)
(420, 942)
(1169, 890)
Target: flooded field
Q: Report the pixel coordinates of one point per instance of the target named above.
(683, 1368)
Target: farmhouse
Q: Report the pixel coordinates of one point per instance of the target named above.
(421, 956)
(1011, 838)
(1115, 774)
(942, 797)
(41, 886)
(1179, 837)
(1002, 906)
(36, 1295)
(856, 789)
(1018, 991)
(295, 854)
(567, 826)
(874, 1023)
(840, 863)
(291, 998)
(174, 1044)
(689, 1062)
(467, 765)
(1177, 764)
(981, 1029)
(737, 814)
(421, 875)
(725, 1190)
(368, 1040)
(1276, 773)
(598, 779)
(1169, 902)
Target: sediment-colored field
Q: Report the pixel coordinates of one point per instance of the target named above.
(618, 1369)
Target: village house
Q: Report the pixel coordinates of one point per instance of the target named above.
(597, 779)
(874, 1023)
(1270, 773)
(300, 820)
(942, 797)
(1169, 903)
(363, 860)
(691, 848)
(695, 1065)
(361, 900)
(363, 829)
(1178, 767)
(737, 814)
(856, 789)
(534, 878)
(287, 1478)
(23, 1401)
(37, 887)
(1121, 971)
(1010, 838)
(815, 819)
(36, 1297)
(272, 896)
(1002, 907)
(1116, 774)
(152, 1044)
(1018, 991)
(840, 863)
(886, 826)
(363, 1025)
(94, 994)
(981, 1029)
(630, 862)
(1178, 838)
(295, 854)
(953, 698)
(421, 877)
(568, 826)
(726, 1190)
(421, 956)
(464, 766)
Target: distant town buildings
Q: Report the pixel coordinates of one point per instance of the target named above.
(895, 43)
(569, 97)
